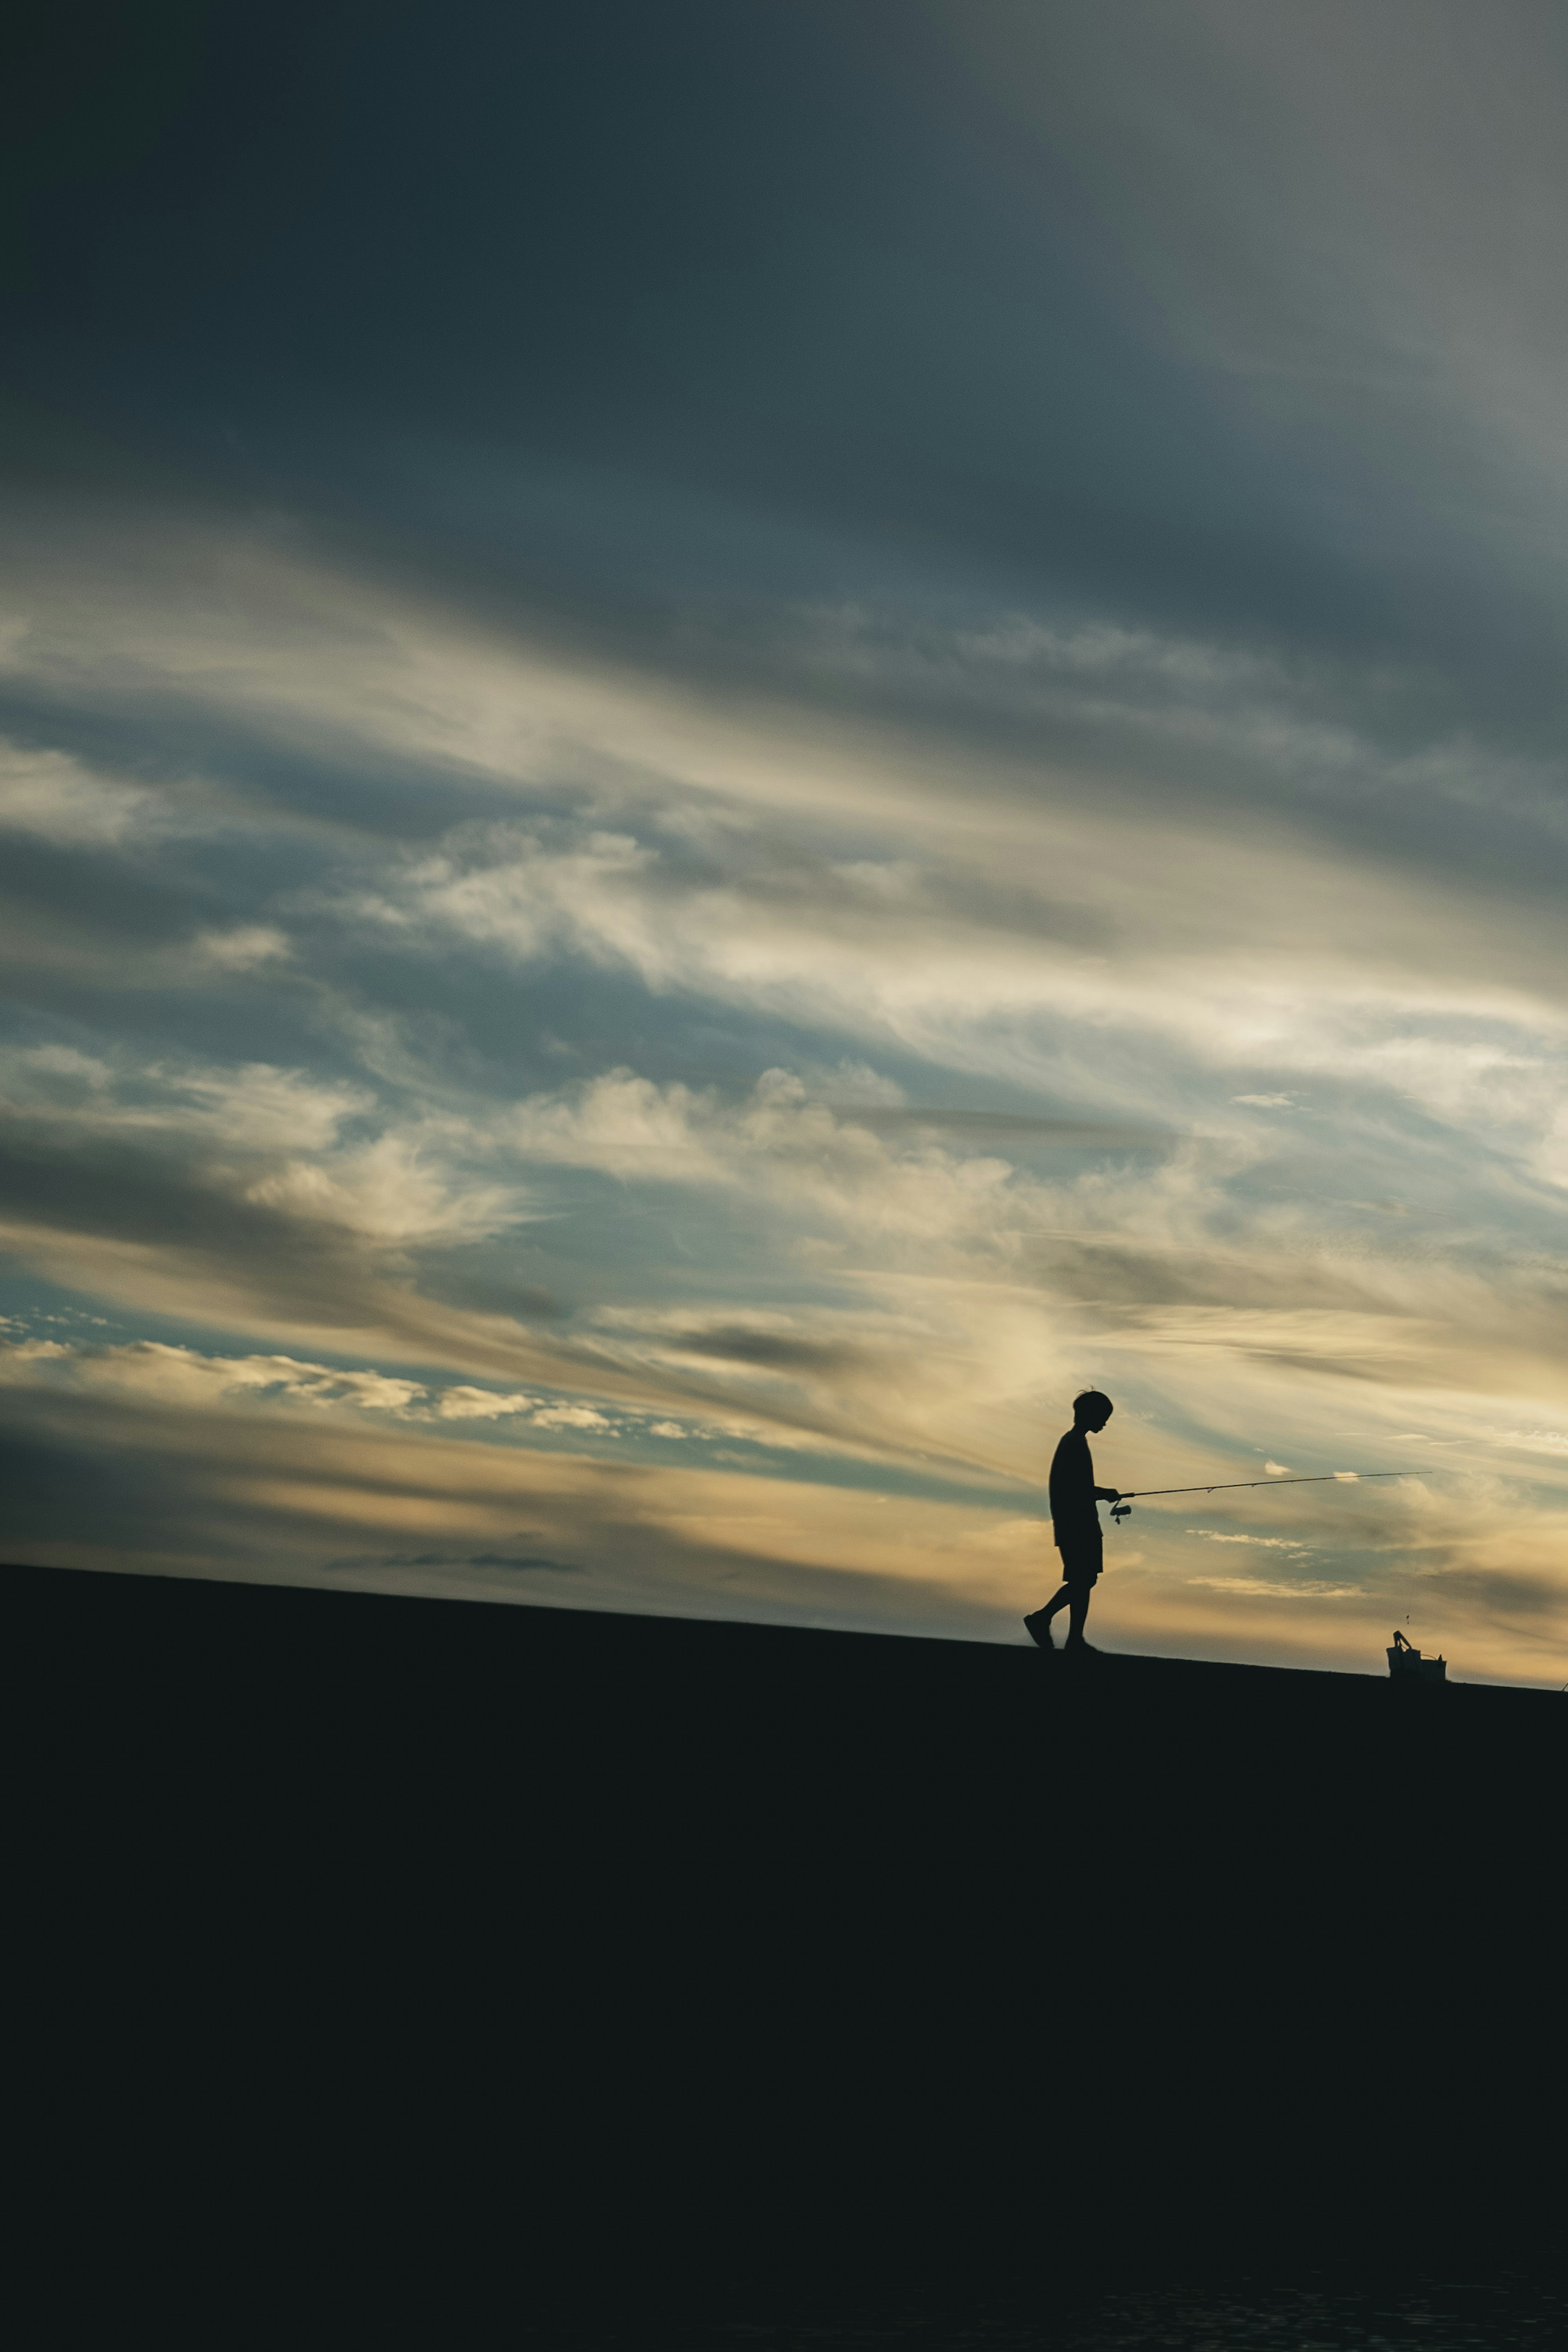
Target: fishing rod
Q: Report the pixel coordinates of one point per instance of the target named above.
(1124, 1503)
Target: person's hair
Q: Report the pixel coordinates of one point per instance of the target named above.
(1093, 1396)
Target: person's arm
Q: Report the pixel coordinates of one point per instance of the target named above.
(1107, 1493)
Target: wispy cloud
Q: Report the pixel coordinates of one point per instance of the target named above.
(846, 842)
(1263, 1588)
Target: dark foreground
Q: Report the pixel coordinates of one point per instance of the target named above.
(470, 1975)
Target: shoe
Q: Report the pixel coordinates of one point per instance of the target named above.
(1039, 1631)
(1079, 1648)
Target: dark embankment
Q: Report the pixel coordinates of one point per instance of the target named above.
(439, 1950)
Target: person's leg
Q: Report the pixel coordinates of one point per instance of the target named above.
(1078, 1600)
(1039, 1623)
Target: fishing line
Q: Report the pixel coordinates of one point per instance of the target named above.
(1124, 1503)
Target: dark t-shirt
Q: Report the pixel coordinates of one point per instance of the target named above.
(1075, 1519)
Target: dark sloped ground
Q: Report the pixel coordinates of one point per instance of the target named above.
(400, 1967)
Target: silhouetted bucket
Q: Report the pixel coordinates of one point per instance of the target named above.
(1406, 1664)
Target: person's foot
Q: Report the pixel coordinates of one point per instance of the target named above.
(1039, 1630)
(1076, 1646)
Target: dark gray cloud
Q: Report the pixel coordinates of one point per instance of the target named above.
(748, 307)
(770, 1351)
(454, 1278)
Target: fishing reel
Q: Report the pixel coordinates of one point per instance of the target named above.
(1120, 1510)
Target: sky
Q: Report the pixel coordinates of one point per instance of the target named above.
(735, 741)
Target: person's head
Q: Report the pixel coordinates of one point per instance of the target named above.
(1091, 1410)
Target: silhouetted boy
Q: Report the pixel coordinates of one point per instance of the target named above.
(1075, 1521)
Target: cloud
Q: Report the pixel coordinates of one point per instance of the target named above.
(248, 1181)
(460, 1402)
(50, 794)
(140, 1456)
(829, 1171)
(150, 1369)
(1003, 1127)
(245, 948)
(444, 1562)
(1270, 1590)
(1264, 1543)
(254, 1107)
(774, 863)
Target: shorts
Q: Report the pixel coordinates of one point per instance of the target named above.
(1083, 1557)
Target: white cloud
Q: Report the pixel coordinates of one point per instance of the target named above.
(254, 1107)
(1261, 1590)
(66, 1062)
(155, 1371)
(245, 948)
(570, 1416)
(1263, 1543)
(20, 1359)
(183, 1375)
(54, 796)
(888, 1292)
(460, 1403)
(414, 1185)
(801, 1151)
(276, 1138)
